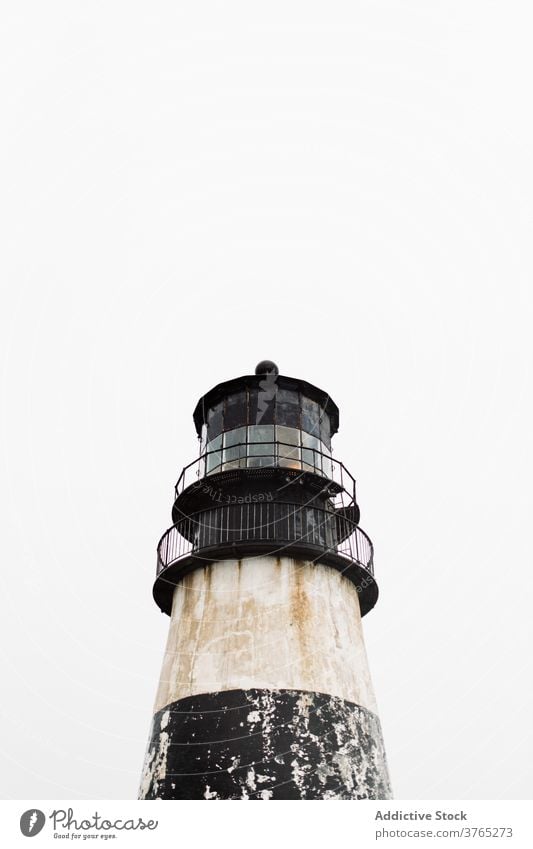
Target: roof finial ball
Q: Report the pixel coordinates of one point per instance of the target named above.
(266, 367)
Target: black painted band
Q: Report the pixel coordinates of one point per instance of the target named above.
(265, 744)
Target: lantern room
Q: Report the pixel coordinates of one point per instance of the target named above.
(266, 420)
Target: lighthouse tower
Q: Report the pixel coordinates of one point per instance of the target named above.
(265, 691)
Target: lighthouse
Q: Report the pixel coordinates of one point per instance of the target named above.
(265, 691)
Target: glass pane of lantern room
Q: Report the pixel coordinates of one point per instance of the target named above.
(261, 440)
(233, 456)
(214, 421)
(233, 437)
(288, 439)
(288, 408)
(214, 455)
(215, 444)
(290, 435)
(308, 460)
(254, 462)
(311, 451)
(310, 441)
(234, 448)
(262, 403)
(214, 461)
(325, 428)
(252, 405)
(261, 448)
(289, 456)
(310, 417)
(327, 465)
(235, 413)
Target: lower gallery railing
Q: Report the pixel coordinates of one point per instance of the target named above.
(278, 523)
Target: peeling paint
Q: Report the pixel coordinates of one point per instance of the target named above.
(154, 772)
(300, 745)
(250, 779)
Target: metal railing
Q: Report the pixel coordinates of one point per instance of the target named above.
(267, 455)
(280, 523)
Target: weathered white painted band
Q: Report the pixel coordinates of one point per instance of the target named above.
(265, 622)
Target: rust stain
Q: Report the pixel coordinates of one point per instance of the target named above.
(300, 609)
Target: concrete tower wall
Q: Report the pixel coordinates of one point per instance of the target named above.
(265, 690)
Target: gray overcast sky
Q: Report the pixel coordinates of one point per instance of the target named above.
(189, 188)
